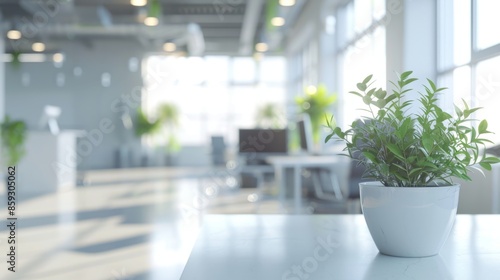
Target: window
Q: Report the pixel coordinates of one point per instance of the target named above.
(215, 95)
(362, 52)
(487, 23)
(471, 73)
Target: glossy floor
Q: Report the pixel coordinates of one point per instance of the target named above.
(120, 224)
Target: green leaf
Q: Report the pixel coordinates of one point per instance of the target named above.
(361, 86)
(415, 170)
(491, 160)
(433, 86)
(427, 164)
(339, 132)
(390, 98)
(458, 111)
(380, 93)
(370, 156)
(485, 165)
(395, 150)
(367, 100)
(406, 75)
(428, 142)
(465, 104)
(329, 137)
(367, 79)
(409, 81)
(380, 103)
(483, 127)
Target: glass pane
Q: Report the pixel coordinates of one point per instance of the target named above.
(445, 34)
(243, 70)
(378, 9)
(462, 86)
(349, 22)
(360, 61)
(219, 69)
(272, 70)
(461, 32)
(458, 87)
(446, 100)
(454, 36)
(211, 108)
(488, 21)
(342, 25)
(487, 94)
(362, 15)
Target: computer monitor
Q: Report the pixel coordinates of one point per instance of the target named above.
(263, 141)
(305, 132)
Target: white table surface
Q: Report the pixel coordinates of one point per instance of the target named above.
(258, 247)
(297, 163)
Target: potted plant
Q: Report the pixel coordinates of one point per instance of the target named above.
(411, 207)
(169, 117)
(13, 137)
(270, 115)
(316, 103)
(144, 127)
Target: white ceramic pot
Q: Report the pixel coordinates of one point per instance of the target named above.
(409, 221)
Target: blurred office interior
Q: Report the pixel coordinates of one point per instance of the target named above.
(142, 116)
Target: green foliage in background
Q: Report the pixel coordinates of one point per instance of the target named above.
(316, 103)
(143, 126)
(423, 149)
(13, 134)
(270, 116)
(169, 117)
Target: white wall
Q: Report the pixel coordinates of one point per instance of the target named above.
(84, 101)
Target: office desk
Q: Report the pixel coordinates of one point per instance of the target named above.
(297, 163)
(333, 247)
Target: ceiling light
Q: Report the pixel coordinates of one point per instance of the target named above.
(58, 57)
(261, 47)
(287, 3)
(38, 47)
(138, 3)
(278, 21)
(151, 21)
(169, 47)
(14, 34)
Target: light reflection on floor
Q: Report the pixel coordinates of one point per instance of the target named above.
(140, 229)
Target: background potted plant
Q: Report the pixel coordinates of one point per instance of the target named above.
(144, 127)
(13, 137)
(315, 103)
(270, 115)
(411, 208)
(169, 118)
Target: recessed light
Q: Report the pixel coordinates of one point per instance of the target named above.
(278, 21)
(261, 47)
(287, 3)
(58, 57)
(151, 21)
(138, 3)
(38, 47)
(14, 34)
(169, 47)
